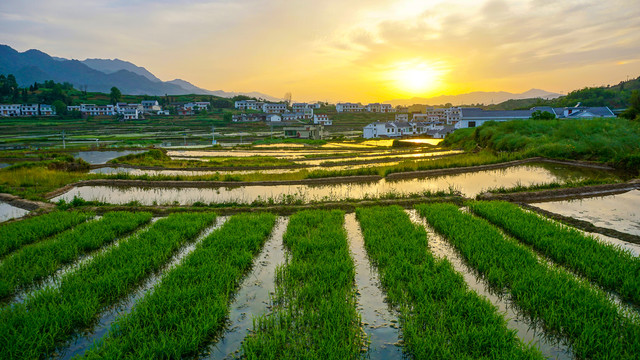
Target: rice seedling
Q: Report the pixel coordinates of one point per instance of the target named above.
(605, 264)
(189, 307)
(33, 329)
(440, 316)
(566, 307)
(36, 262)
(314, 314)
(17, 234)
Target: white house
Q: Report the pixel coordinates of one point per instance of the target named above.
(402, 117)
(98, 110)
(130, 114)
(474, 117)
(349, 107)
(71, 108)
(150, 106)
(248, 105)
(47, 110)
(273, 118)
(29, 109)
(274, 108)
(322, 119)
(10, 109)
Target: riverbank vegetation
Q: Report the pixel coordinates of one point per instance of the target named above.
(612, 141)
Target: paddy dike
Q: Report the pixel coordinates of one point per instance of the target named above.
(24, 204)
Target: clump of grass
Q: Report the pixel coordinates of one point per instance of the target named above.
(441, 317)
(553, 185)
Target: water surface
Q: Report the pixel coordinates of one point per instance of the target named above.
(619, 212)
(101, 157)
(8, 212)
(469, 184)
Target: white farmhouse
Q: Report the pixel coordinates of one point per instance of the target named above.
(349, 107)
(29, 109)
(322, 119)
(10, 109)
(47, 110)
(150, 106)
(274, 108)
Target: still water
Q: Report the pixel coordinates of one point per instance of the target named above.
(469, 184)
(619, 212)
(8, 212)
(101, 157)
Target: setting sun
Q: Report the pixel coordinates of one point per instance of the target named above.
(414, 78)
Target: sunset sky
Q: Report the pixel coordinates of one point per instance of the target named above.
(337, 50)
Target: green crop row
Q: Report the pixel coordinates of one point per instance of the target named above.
(191, 303)
(608, 265)
(38, 261)
(33, 329)
(441, 317)
(28, 231)
(314, 313)
(592, 324)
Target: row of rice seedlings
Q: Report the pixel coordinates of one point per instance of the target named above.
(34, 328)
(189, 307)
(28, 231)
(605, 264)
(440, 316)
(83, 341)
(314, 313)
(584, 316)
(38, 261)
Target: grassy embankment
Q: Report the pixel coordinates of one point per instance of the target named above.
(314, 309)
(611, 141)
(33, 329)
(159, 158)
(205, 280)
(441, 317)
(567, 307)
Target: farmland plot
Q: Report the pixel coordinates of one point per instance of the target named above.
(441, 317)
(569, 308)
(34, 328)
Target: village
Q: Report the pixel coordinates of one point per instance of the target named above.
(302, 120)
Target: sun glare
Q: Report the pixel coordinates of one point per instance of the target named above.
(415, 78)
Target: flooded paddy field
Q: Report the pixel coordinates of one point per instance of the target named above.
(469, 184)
(380, 323)
(101, 157)
(8, 212)
(619, 212)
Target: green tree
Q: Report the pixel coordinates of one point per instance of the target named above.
(61, 108)
(227, 117)
(542, 115)
(115, 95)
(633, 111)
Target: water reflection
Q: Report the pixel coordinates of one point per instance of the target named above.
(8, 212)
(469, 184)
(619, 212)
(101, 157)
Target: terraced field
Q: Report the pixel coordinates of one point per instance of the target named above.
(181, 276)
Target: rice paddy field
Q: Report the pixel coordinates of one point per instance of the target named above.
(481, 280)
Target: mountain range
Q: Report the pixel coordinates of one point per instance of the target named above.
(477, 97)
(99, 75)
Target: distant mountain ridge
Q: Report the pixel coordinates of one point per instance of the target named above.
(477, 97)
(98, 75)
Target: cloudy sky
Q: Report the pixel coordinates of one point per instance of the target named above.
(337, 50)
